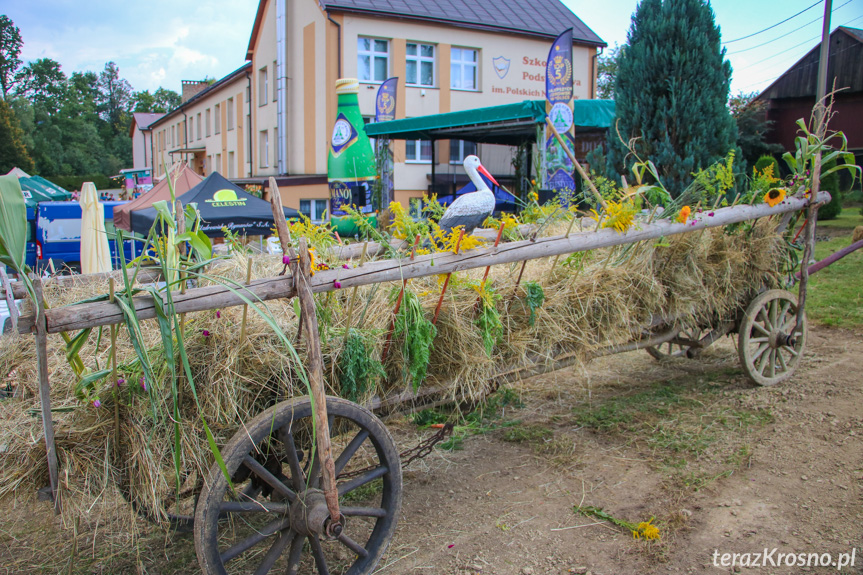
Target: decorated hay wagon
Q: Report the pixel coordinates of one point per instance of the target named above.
(247, 414)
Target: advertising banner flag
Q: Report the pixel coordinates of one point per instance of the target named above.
(385, 110)
(385, 102)
(559, 96)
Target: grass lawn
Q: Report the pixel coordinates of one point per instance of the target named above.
(835, 295)
(849, 219)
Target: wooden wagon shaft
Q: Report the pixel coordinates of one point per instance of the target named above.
(832, 258)
(82, 316)
(316, 382)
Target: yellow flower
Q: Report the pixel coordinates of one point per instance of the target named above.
(533, 197)
(774, 196)
(647, 530)
(619, 215)
(312, 261)
(684, 214)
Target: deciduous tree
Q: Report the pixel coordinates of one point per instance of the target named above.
(10, 49)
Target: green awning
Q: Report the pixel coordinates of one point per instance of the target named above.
(510, 124)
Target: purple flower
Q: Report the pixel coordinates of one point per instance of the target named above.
(205, 333)
(286, 259)
(346, 266)
(97, 403)
(218, 314)
(337, 284)
(711, 214)
(120, 381)
(143, 383)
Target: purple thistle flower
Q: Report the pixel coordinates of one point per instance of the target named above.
(97, 403)
(337, 284)
(143, 384)
(205, 333)
(120, 381)
(286, 259)
(711, 214)
(346, 266)
(218, 314)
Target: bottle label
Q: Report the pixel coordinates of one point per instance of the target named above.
(350, 193)
(344, 135)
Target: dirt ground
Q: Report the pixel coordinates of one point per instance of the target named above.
(720, 464)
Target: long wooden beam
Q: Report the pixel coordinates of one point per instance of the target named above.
(145, 276)
(82, 316)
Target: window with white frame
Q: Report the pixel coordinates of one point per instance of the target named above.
(418, 151)
(217, 123)
(315, 210)
(459, 150)
(419, 69)
(231, 167)
(276, 146)
(199, 125)
(263, 86)
(230, 113)
(373, 59)
(264, 148)
(218, 167)
(463, 69)
(275, 80)
(209, 122)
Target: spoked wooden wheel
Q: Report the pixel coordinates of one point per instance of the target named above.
(683, 345)
(274, 517)
(769, 351)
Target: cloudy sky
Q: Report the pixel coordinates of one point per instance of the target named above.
(160, 42)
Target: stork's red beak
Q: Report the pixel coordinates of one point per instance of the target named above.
(481, 169)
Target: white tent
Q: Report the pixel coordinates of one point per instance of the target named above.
(18, 173)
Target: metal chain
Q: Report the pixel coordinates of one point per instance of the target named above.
(422, 449)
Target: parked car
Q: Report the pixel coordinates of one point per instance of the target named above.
(58, 235)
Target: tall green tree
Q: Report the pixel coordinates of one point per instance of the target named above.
(752, 127)
(162, 100)
(43, 83)
(10, 49)
(115, 94)
(606, 72)
(671, 92)
(13, 153)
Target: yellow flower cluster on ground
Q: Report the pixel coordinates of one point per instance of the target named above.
(646, 530)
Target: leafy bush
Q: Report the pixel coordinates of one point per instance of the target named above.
(72, 183)
(765, 161)
(830, 183)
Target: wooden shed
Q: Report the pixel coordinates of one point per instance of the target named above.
(792, 95)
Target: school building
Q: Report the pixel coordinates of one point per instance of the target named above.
(274, 114)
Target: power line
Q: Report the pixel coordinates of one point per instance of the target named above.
(804, 66)
(775, 25)
(786, 34)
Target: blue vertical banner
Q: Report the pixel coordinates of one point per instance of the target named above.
(385, 101)
(559, 174)
(385, 110)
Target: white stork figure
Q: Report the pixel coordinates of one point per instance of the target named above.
(471, 209)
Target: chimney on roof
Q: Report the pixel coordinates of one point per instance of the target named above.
(192, 88)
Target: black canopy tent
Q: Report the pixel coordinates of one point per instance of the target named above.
(221, 204)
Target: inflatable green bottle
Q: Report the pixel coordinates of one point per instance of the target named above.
(351, 169)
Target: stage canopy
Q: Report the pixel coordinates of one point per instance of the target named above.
(221, 204)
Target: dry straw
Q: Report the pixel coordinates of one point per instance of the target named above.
(606, 297)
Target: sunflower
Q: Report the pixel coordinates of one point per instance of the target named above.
(684, 214)
(774, 196)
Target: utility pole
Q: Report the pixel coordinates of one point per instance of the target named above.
(823, 58)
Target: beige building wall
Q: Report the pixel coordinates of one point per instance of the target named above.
(218, 145)
(265, 138)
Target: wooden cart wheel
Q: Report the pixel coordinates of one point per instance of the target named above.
(769, 352)
(677, 347)
(274, 516)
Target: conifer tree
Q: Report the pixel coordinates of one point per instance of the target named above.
(671, 92)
